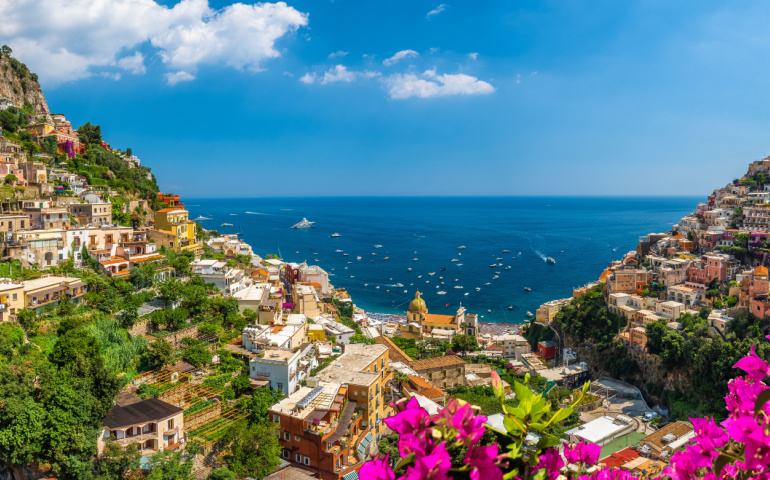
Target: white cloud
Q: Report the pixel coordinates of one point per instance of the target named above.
(307, 78)
(437, 10)
(88, 38)
(433, 50)
(338, 73)
(338, 53)
(473, 55)
(288, 74)
(399, 56)
(401, 86)
(518, 78)
(180, 76)
(133, 64)
(111, 76)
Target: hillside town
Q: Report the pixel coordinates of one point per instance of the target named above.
(197, 353)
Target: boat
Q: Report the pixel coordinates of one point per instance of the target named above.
(487, 284)
(443, 268)
(358, 257)
(495, 277)
(415, 259)
(374, 254)
(527, 289)
(441, 292)
(409, 269)
(378, 246)
(459, 287)
(489, 311)
(338, 251)
(372, 261)
(385, 258)
(201, 218)
(377, 286)
(550, 260)
(499, 258)
(510, 307)
(252, 213)
(366, 284)
(459, 253)
(345, 254)
(506, 251)
(234, 214)
(508, 267)
(529, 314)
(457, 279)
(304, 224)
(399, 285)
(478, 289)
(466, 293)
(455, 260)
(335, 235)
(461, 247)
(494, 265)
(419, 276)
(226, 225)
(459, 264)
(432, 273)
(406, 291)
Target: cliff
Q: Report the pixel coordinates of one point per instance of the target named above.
(19, 85)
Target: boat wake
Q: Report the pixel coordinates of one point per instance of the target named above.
(539, 254)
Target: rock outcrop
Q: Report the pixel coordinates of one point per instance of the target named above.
(19, 85)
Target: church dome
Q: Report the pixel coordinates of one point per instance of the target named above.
(418, 304)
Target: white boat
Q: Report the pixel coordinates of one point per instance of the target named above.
(345, 254)
(201, 218)
(335, 235)
(461, 247)
(226, 225)
(550, 260)
(358, 258)
(252, 213)
(478, 289)
(377, 286)
(495, 277)
(374, 254)
(506, 251)
(466, 293)
(338, 251)
(304, 224)
(432, 273)
(487, 284)
(459, 253)
(494, 265)
(441, 292)
(529, 314)
(378, 246)
(415, 259)
(508, 267)
(419, 276)
(459, 287)
(527, 289)
(399, 285)
(406, 291)
(234, 214)
(455, 260)
(459, 264)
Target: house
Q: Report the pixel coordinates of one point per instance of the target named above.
(339, 331)
(175, 230)
(547, 311)
(91, 213)
(669, 439)
(46, 292)
(171, 200)
(602, 430)
(152, 424)
(34, 172)
(283, 368)
(305, 300)
(45, 215)
(10, 223)
(39, 129)
(43, 247)
(514, 345)
(444, 372)
(229, 280)
(11, 298)
(628, 281)
(548, 350)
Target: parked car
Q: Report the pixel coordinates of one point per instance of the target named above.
(649, 416)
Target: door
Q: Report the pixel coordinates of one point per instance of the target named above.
(48, 258)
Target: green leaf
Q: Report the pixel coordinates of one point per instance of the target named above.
(523, 393)
(762, 399)
(510, 425)
(586, 386)
(547, 441)
(537, 426)
(512, 474)
(540, 474)
(405, 462)
(560, 415)
(720, 463)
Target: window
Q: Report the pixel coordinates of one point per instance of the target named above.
(14, 296)
(286, 436)
(285, 453)
(170, 424)
(276, 418)
(307, 460)
(280, 386)
(298, 458)
(296, 438)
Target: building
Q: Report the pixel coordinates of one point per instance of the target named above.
(152, 424)
(13, 223)
(548, 310)
(305, 300)
(11, 299)
(45, 216)
(91, 213)
(602, 430)
(548, 350)
(228, 280)
(43, 293)
(669, 439)
(444, 372)
(175, 230)
(514, 345)
(628, 281)
(283, 368)
(341, 332)
(423, 325)
(34, 172)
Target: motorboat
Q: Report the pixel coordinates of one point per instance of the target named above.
(527, 289)
(529, 314)
(461, 247)
(494, 265)
(409, 269)
(345, 254)
(510, 307)
(487, 284)
(415, 259)
(378, 246)
(304, 224)
(377, 286)
(441, 292)
(399, 285)
(338, 251)
(459, 264)
(506, 251)
(374, 254)
(432, 273)
(466, 293)
(550, 260)
(335, 235)
(455, 260)
(508, 267)
(478, 289)
(419, 276)
(226, 225)
(495, 277)
(385, 258)
(499, 258)
(201, 218)
(358, 257)
(443, 268)
(459, 287)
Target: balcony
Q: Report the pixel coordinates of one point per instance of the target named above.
(137, 438)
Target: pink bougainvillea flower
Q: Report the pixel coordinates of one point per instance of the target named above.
(433, 466)
(586, 453)
(482, 461)
(411, 419)
(681, 467)
(377, 469)
(708, 437)
(755, 367)
(469, 426)
(742, 396)
(551, 462)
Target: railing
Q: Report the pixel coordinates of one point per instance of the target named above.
(137, 438)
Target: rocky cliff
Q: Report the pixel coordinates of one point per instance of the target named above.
(19, 85)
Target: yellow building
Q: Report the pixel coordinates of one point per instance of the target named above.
(175, 230)
(423, 325)
(316, 333)
(11, 299)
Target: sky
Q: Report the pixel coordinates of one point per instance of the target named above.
(330, 98)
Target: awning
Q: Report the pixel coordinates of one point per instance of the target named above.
(351, 476)
(364, 443)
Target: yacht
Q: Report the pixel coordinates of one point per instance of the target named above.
(550, 260)
(358, 257)
(415, 259)
(378, 246)
(527, 289)
(506, 251)
(461, 247)
(338, 251)
(335, 235)
(455, 260)
(226, 225)
(303, 224)
(441, 292)
(529, 314)
(478, 289)
(201, 218)
(399, 285)
(495, 277)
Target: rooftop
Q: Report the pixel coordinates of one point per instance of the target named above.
(150, 410)
(597, 430)
(324, 400)
(436, 362)
(348, 366)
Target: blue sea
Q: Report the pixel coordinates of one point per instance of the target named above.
(582, 234)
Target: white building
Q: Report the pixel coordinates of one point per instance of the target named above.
(229, 280)
(284, 368)
(514, 345)
(315, 274)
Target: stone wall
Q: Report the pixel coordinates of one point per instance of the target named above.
(142, 327)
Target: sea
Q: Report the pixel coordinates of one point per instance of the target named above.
(506, 243)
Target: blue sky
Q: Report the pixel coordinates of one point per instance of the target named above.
(486, 98)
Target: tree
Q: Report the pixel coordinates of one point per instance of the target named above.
(26, 318)
(10, 179)
(9, 121)
(129, 153)
(170, 292)
(252, 451)
(6, 50)
(116, 462)
(168, 465)
(90, 134)
(240, 384)
(159, 353)
(655, 332)
(197, 355)
(464, 343)
(50, 145)
(259, 403)
(223, 473)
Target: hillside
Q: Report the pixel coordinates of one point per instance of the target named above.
(18, 85)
